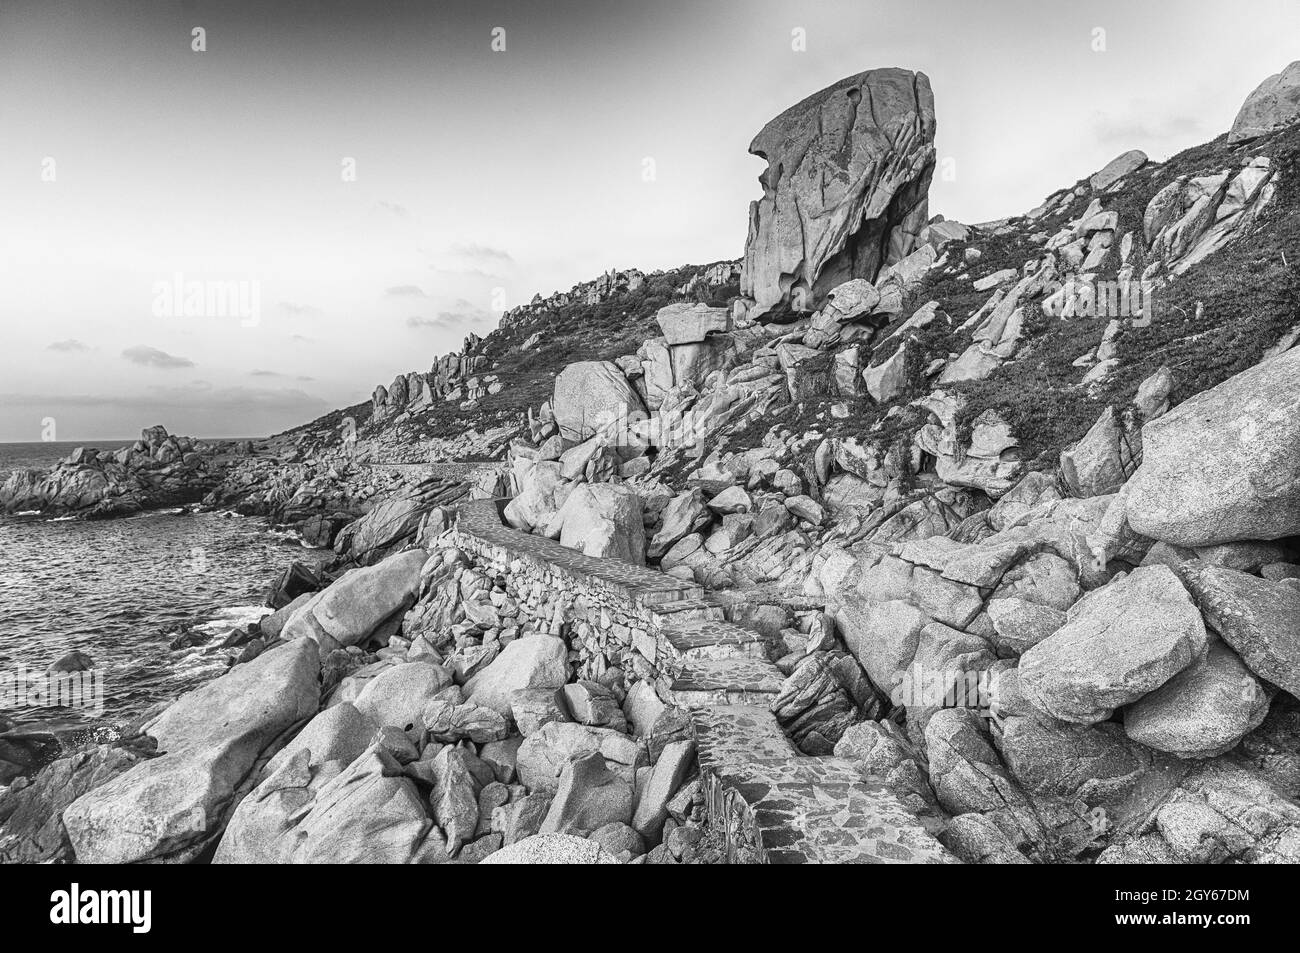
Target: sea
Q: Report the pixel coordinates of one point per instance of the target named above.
(121, 591)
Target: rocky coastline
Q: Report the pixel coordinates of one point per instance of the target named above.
(921, 555)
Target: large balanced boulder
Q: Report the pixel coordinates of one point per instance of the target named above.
(209, 741)
(1120, 642)
(845, 190)
(1274, 103)
(686, 323)
(1222, 466)
(593, 397)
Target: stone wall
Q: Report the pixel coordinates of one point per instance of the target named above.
(766, 801)
(611, 613)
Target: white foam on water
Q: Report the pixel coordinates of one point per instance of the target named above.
(289, 535)
(200, 662)
(60, 519)
(234, 617)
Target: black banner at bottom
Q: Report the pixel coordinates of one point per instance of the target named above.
(143, 904)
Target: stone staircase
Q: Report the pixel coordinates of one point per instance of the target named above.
(769, 802)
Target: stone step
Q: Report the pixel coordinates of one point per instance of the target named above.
(687, 610)
(694, 640)
(773, 805)
(728, 681)
(733, 734)
(796, 810)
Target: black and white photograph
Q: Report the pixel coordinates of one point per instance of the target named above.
(651, 432)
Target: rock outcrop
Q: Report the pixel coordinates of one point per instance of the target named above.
(1274, 103)
(158, 470)
(845, 191)
(593, 397)
(166, 807)
(1120, 643)
(1222, 466)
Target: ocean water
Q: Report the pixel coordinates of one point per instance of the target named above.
(121, 591)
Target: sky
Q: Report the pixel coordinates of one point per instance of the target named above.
(369, 182)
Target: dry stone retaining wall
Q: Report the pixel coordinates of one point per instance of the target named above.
(770, 803)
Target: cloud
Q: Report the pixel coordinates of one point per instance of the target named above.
(477, 252)
(147, 356)
(69, 346)
(300, 310)
(405, 291)
(400, 211)
(449, 319)
(164, 400)
(259, 372)
(1142, 128)
(476, 273)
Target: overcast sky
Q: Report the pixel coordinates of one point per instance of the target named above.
(482, 177)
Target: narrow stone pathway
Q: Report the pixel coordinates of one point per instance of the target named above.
(771, 803)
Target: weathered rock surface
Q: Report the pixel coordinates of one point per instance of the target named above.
(691, 323)
(544, 754)
(1202, 711)
(210, 738)
(542, 494)
(31, 815)
(1257, 617)
(1273, 104)
(666, 777)
(383, 530)
(1121, 642)
(1118, 167)
(312, 812)
(604, 520)
(589, 796)
(1222, 465)
(591, 397)
(535, 661)
(553, 849)
(397, 696)
(350, 610)
(845, 189)
(1219, 814)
